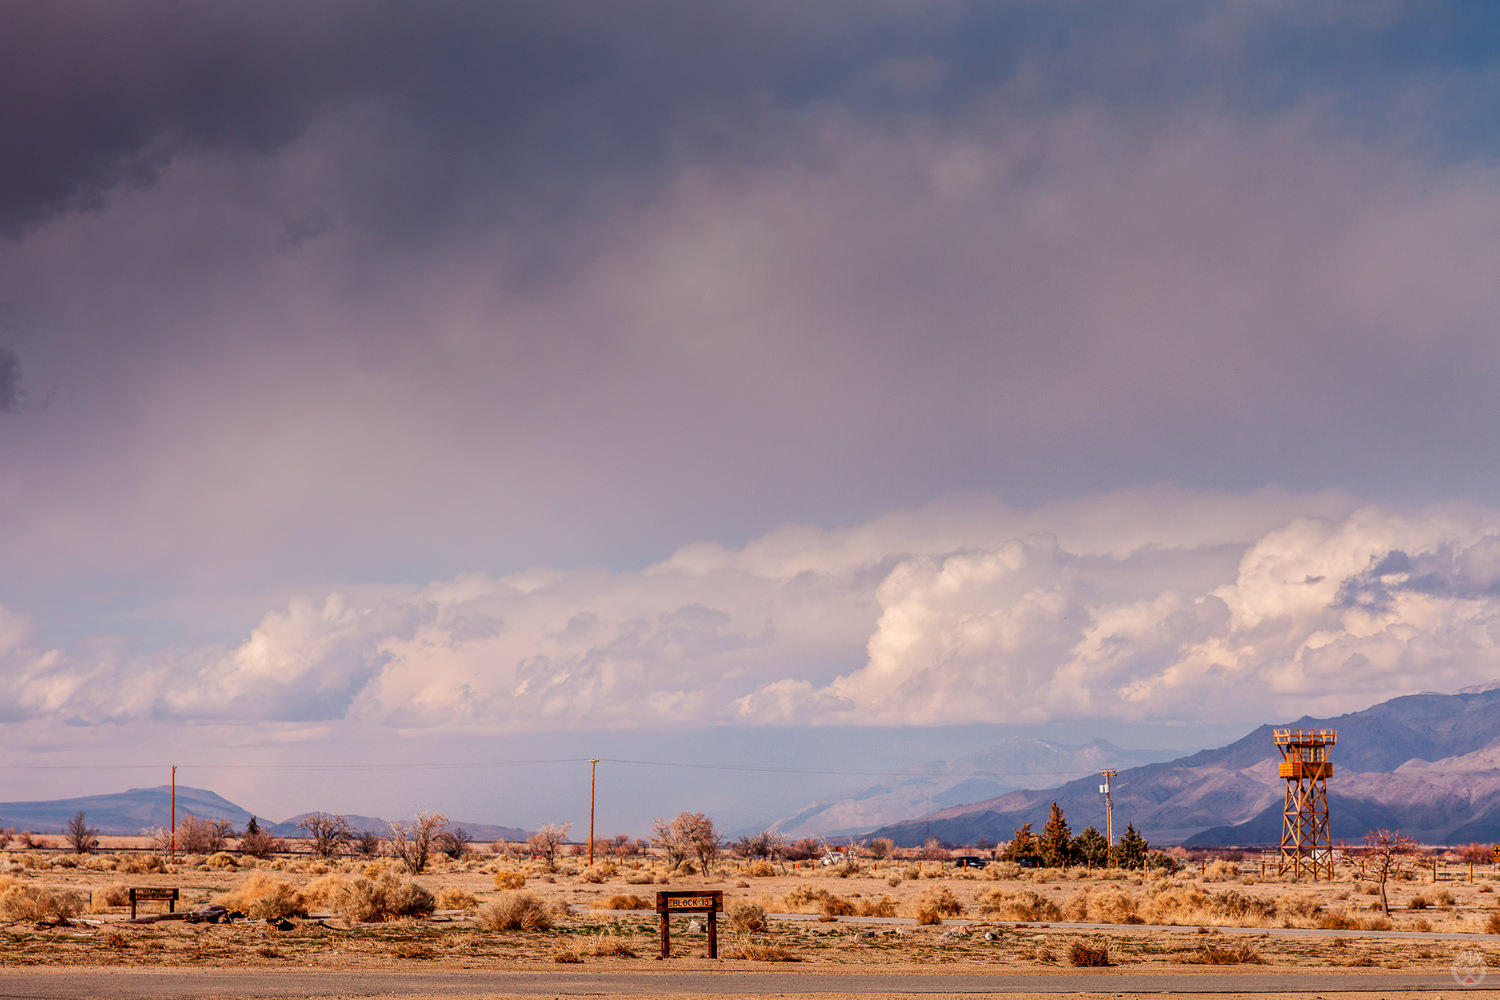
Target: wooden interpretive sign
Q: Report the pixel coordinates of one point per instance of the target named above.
(157, 893)
(707, 901)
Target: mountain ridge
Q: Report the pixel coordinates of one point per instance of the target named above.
(1426, 763)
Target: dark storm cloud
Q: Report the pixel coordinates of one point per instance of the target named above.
(103, 94)
(10, 381)
(558, 104)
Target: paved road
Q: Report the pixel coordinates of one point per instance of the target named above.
(220, 985)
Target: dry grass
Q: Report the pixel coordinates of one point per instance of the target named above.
(1221, 871)
(373, 901)
(106, 897)
(746, 918)
(935, 904)
(760, 868)
(262, 897)
(1492, 925)
(622, 901)
(34, 903)
(510, 880)
(516, 911)
(412, 949)
(1218, 954)
(1089, 953)
(758, 952)
(609, 946)
(1024, 904)
(319, 893)
(816, 899)
(451, 897)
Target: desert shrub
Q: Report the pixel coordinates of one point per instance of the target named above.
(816, 899)
(1218, 954)
(1221, 871)
(622, 901)
(567, 955)
(32, 902)
(1303, 907)
(142, 864)
(760, 868)
(939, 901)
(261, 897)
(373, 901)
(509, 879)
(746, 917)
(1001, 870)
(757, 952)
(594, 875)
(100, 862)
(451, 897)
(1103, 905)
(1025, 904)
(222, 860)
(1492, 925)
(107, 896)
(609, 946)
(318, 894)
(1418, 902)
(1442, 897)
(516, 911)
(1089, 953)
(885, 906)
(35, 861)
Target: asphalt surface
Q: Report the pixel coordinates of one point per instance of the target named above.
(231, 985)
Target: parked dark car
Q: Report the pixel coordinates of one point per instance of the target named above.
(969, 861)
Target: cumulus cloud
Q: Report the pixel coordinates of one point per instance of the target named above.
(1314, 613)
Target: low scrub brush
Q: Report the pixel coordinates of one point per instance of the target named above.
(622, 901)
(1089, 953)
(516, 911)
(451, 897)
(371, 901)
(261, 897)
(32, 902)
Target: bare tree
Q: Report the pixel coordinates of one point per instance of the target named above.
(328, 834)
(412, 843)
(689, 835)
(257, 843)
(547, 840)
(766, 845)
(881, 848)
(1388, 854)
(367, 844)
(203, 836)
(454, 842)
(81, 837)
(673, 844)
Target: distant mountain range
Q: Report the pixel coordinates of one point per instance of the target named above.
(1008, 764)
(130, 812)
(1428, 764)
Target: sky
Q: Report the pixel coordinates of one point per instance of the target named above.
(395, 397)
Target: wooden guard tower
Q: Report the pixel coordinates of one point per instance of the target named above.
(1306, 841)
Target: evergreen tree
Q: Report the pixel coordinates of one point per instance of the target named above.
(1056, 844)
(1132, 850)
(1091, 847)
(252, 827)
(1023, 845)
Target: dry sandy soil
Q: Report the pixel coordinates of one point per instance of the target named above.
(996, 920)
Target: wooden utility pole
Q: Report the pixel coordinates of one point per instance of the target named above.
(593, 763)
(172, 837)
(1109, 818)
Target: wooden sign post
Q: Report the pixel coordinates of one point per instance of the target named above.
(709, 901)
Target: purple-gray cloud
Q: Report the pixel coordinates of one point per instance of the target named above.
(332, 302)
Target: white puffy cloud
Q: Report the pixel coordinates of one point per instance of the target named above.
(954, 614)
